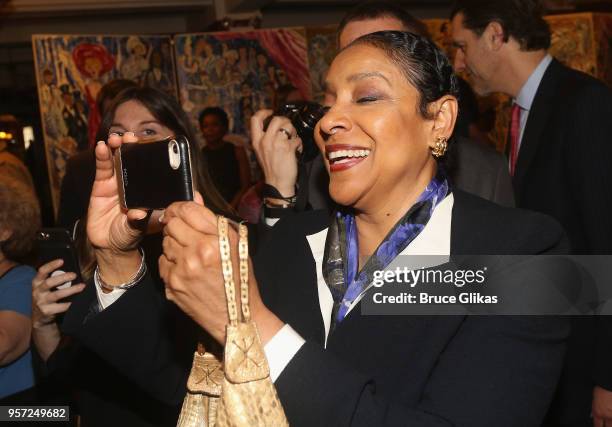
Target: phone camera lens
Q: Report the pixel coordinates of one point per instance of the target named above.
(175, 149)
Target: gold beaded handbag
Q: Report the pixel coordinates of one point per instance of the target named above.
(203, 391)
(247, 395)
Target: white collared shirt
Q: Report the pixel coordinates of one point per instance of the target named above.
(528, 92)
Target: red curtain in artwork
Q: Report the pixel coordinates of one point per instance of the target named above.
(287, 48)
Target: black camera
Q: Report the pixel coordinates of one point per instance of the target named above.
(304, 116)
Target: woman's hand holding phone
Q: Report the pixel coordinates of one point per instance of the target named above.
(47, 303)
(113, 232)
(108, 226)
(46, 299)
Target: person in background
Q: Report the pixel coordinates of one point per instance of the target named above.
(13, 166)
(19, 221)
(105, 396)
(80, 168)
(473, 167)
(227, 164)
(559, 158)
(251, 203)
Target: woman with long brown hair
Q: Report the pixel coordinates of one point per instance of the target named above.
(137, 115)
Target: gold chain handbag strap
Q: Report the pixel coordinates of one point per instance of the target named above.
(228, 271)
(226, 267)
(248, 397)
(243, 254)
(244, 361)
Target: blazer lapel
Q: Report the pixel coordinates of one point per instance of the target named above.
(536, 122)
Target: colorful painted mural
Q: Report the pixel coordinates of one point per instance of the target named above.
(242, 72)
(239, 71)
(71, 70)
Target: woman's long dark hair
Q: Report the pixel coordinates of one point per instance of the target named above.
(167, 111)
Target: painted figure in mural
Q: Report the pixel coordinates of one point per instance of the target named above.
(155, 76)
(218, 74)
(75, 125)
(267, 96)
(246, 91)
(281, 77)
(49, 88)
(318, 64)
(243, 62)
(137, 62)
(231, 57)
(81, 108)
(252, 59)
(189, 63)
(186, 103)
(261, 70)
(51, 104)
(234, 76)
(92, 61)
(204, 55)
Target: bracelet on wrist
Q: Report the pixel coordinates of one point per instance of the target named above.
(270, 192)
(274, 205)
(127, 285)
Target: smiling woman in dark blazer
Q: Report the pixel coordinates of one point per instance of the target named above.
(391, 99)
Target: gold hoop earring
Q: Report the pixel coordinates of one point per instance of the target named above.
(439, 149)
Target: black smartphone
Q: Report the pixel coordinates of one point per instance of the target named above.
(153, 175)
(57, 243)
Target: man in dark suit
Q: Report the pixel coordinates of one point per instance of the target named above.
(475, 167)
(559, 155)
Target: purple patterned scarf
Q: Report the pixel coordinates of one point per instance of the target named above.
(341, 256)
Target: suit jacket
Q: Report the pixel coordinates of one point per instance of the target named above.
(482, 171)
(376, 370)
(564, 170)
(563, 167)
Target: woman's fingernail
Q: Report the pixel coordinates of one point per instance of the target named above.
(99, 142)
(113, 134)
(161, 217)
(129, 133)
